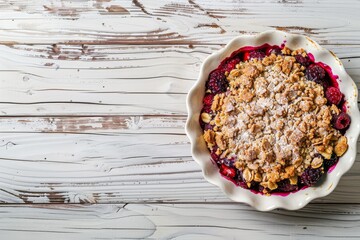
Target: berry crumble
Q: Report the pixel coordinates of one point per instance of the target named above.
(273, 119)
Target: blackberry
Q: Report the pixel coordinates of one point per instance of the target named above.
(217, 82)
(311, 176)
(304, 61)
(285, 186)
(328, 163)
(317, 74)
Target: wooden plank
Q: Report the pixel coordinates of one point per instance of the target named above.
(166, 22)
(108, 80)
(180, 221)
(111, 159)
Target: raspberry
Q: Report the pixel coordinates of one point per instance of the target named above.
(341, 121)
(317, 74)
(227, 171)
(231, 64)
(305, 61)
(333, 95)
(217, 82)
(328, 163)
(254, 54)
(285, 186)
(311, 176)
(208, 99)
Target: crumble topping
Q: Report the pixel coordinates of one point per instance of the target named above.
(273, 121)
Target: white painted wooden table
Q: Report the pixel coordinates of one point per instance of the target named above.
(92, 105)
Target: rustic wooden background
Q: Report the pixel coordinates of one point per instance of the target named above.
(92, 106)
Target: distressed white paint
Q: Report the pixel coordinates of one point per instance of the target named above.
(168, 21)
(110, 159)
(180, 221)
(108, 80)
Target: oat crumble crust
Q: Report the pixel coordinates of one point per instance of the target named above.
(273, 121)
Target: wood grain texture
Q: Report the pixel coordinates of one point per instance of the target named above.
(180, 221)
(168, 22)
(92, 111)
(111, 159)
(45, 80)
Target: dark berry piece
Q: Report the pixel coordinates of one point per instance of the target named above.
(206, 109)
(328, 163)
(202, 124)
(231, 64)
(304, 61)
(254, 186)
(254, 54)
(275, 50)
(208, 99)
(240, 181)
(228, 162)
(227, 171)
(311, 176)
(285, 186)
(208, 126)
(317, 74)
(333, 95)
(261, 189)
(341, 121)
(217, 82)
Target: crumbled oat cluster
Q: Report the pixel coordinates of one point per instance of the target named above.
(272, 122)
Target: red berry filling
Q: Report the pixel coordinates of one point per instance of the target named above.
(227, 171)
(214, 156)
